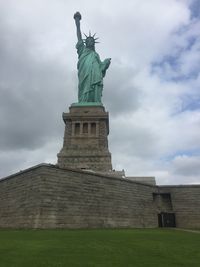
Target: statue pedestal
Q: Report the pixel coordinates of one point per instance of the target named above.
(85, 143)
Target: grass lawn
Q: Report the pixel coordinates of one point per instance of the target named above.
(88, 248)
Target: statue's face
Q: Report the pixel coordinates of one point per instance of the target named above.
(90, 42)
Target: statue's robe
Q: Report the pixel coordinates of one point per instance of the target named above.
(90, 73)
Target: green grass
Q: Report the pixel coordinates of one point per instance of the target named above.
(106, 248)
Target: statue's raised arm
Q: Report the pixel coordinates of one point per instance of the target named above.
(77, 17)
(91, 69)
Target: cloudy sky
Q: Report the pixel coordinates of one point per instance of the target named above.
(152, 88)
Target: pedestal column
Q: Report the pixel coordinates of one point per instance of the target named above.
(85, 143)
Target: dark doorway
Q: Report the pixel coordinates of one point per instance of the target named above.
(166, 219)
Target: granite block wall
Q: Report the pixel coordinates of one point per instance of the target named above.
(185, 201)
(46, 196)
(20, 199)
(49, 197)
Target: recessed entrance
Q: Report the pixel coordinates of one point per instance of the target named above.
(166, 219)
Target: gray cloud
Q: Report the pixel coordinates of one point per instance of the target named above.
(38, 81)
(186, 166)
(120, 94)
(141, 141)
(31, 94)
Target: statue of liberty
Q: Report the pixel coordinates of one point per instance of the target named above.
(91, 69)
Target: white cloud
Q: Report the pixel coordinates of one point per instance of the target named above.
(186, 166)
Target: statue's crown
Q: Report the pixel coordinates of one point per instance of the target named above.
(90, 36)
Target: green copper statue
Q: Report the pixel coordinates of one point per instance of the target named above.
(90, 68)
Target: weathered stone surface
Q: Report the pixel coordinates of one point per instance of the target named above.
(85, 143)
(143, 179)
(49, 197)
(46, 196)
(185, 201)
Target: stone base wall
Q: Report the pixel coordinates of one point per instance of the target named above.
(20, 200)
(46, 196)
(85, 143)
(185, 200)
(49, 197)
